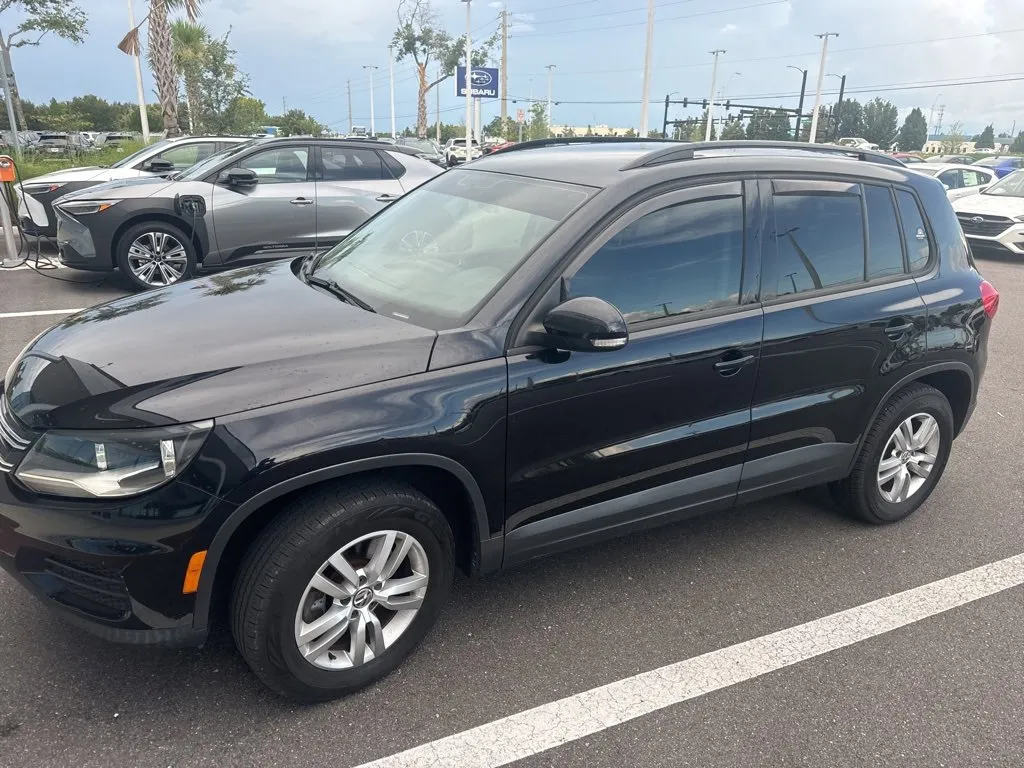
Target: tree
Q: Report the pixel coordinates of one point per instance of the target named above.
(953, 140)
(538, 128)
(190, 41)
(295, 122)
(733, 129)
(851, 119)
(655, 134)
(1018, 144)
(881, 120)
(777, 127)
(420, 36)
(220, 84)
(245, 115)
(986, 139)
(914, 133)
(38, 19)
(757, 128)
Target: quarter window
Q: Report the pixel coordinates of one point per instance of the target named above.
(675, 261)
(914, 233)
(885, 251)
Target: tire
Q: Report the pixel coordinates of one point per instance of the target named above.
(174, 263)
(861, 495)
(274, 583)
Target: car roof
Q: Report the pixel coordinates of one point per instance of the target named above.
(608, 162)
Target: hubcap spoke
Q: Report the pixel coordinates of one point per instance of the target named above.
(924, 435)
(900, 485)
(335, 616)
(357, 653)
(324, 643)
(328, 587)
(381, 554)
(395, 594)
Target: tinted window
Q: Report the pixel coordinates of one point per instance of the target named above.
(951, 179)
(278, 165)
(678, 260)
(885, 251)
(349, 164)
(820, 238)
(914, 233)
(187, 155)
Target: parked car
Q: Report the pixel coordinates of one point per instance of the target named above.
(1001, 165)
(60, 144)
(857, 143)
(425, 148)
(549, 346)
(260, 200)
(959, 180)
(455, 151)
(35, 206)
(907, 158)
(498, 147)
(994, 219)
(114, 140)
(953, 159)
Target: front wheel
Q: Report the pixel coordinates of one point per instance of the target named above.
(341, 588)
(155, 254)
(902, 458)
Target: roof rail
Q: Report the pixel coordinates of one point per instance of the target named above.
(567, 140)
(686, 152)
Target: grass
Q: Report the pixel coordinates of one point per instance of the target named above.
(34, 164)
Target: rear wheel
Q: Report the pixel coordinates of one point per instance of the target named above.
(336, 593)
(155, 254)
(902, 458)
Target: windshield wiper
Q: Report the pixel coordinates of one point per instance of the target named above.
(336, 290)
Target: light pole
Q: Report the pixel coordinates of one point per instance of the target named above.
(839, 105)
(373, 125)
(469, 76)
(800, 107)
(821, 81)
(551, 74)
(711, 99)
(391, 77)
(644, 102)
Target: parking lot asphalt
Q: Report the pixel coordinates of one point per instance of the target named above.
(944, 691)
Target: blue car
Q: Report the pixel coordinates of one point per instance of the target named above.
(1002, 165)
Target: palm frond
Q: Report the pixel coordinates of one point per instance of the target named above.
(130, 43)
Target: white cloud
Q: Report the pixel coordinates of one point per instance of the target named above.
(729, 29)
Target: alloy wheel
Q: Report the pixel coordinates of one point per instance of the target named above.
(361, 600)
(157, 258)
(909, 457)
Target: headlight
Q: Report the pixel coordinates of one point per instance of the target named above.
(41, 188)
(110, 464)
(80, 207)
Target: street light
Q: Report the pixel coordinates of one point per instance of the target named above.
(373, 125)
(839, 104)
(664, 122)
(800, 107)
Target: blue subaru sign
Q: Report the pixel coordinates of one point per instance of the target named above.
(483, 82)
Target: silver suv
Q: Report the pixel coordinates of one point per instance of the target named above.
(268, 198)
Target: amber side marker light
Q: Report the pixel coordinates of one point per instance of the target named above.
(192, 573)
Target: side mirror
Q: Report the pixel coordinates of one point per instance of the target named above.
(158, 166)
(586, 324)
(240, 177)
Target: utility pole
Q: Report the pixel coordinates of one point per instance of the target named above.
(711, 100)
(664, 122)
(551, 74)
(644, 101)
(469, 76)
(437, 107)
(373, 125)
(931, 116)
(284, 105)
(349, 86)
(821, 81)
(391, 76)
(800, 107)
(839, 107)
(504, 67)
(140, 90)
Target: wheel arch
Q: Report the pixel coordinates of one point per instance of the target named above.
(480, 553)
(198, 240)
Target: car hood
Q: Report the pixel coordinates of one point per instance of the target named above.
(122, 189)
(990, 205)
(93, 173)
(231, 342)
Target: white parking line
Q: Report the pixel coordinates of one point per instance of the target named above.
(551, 725)
(40, 313)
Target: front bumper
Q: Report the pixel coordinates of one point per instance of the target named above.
(1010, 240)
(77, 247)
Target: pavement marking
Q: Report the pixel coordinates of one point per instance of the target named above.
(40, 312)
(551, 725)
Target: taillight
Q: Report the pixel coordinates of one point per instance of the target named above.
(989, 298)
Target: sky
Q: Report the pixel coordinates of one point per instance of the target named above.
(305, 51)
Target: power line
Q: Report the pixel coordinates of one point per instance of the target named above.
(610, 13)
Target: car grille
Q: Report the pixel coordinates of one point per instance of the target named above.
(15, 439)
(984, 226)
(90, 588)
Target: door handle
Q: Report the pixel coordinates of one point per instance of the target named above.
(896, 329)
(301, 201)
(731, 365)
(386, 198)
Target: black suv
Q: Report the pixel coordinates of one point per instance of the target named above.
(556, 343)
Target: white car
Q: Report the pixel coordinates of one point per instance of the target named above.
(35, 206)
(959, 180)
(994, 219)
(857, 143)
(455, 151)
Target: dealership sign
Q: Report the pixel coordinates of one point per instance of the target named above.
(483, 82)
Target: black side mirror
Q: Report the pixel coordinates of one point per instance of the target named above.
(158, 166)
(240, 177)
(586, 324)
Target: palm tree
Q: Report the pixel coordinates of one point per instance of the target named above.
(190, 41)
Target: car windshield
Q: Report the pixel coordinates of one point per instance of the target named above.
(434, 256)
(424, 145)
(990, 162)
(130, 159)
(203, 167)
(1008, 186)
